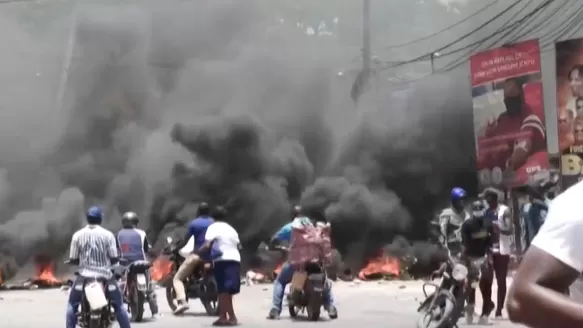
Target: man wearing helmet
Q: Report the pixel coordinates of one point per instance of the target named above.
(451, 220)
(286, 273)
(134, 246)
(94, 249)
(197, 229)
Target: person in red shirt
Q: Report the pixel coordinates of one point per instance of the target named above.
(516, 134)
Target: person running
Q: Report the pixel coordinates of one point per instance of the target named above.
(552, 264)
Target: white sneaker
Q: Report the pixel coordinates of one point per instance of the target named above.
(181, 308)
(484, 320)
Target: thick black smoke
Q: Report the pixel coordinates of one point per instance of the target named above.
(167, 107)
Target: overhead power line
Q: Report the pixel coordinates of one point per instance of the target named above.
(565, 30)
(555, 33)
(450, 27)
(505, 31)
(463, 37)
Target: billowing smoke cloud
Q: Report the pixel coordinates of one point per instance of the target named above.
(168, 107)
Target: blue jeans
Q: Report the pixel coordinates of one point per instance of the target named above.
(112, 292)
(284, 278)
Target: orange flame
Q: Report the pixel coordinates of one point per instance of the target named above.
(45, 272)
(383, 265)
(161, 267)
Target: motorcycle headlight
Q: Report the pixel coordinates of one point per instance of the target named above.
(459, 272)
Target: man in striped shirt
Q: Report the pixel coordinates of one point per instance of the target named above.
(94, 249)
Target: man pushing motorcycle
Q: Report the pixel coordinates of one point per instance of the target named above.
(134, 246)
(287, 271)
(197, 229)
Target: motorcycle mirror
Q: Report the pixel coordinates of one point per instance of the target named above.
(169, 240)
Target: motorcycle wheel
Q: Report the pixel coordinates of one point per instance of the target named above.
(171, 296)
(293, 310)
(314, 307)
(137, 300)
(426, 319)
(209, 297)
(94, 323)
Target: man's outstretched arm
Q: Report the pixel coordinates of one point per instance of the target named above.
(551, 264)
(536, 298)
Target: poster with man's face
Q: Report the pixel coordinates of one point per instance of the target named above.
(509, 126)
(569, 61)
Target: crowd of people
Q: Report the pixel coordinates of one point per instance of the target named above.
(95, 250)
(483, 237)
(481, 234)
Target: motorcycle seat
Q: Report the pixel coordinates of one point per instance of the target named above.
(140, 264)
(87, 280)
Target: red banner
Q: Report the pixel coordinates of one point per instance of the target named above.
(509, 126)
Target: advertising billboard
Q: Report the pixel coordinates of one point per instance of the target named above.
(509, 125)
(569, 61)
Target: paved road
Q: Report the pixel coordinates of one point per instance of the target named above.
(387, 304)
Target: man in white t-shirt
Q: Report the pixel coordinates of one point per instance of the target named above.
(552, 265)
(501, 219)
(223, 242)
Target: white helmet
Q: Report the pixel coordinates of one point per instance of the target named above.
(130, 217)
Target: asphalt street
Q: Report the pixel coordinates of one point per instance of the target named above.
(376, 304)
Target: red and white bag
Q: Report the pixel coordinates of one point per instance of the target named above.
(310, 244)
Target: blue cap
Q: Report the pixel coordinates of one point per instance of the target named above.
(95, 212)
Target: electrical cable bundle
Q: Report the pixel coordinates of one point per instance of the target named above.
(472, 32)
(513, 30)
(450, 27)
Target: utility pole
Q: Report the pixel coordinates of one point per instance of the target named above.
(366, 47)
(361, 82)
(67, 60)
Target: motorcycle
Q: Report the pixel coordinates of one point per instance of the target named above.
(310, 298)
(444, 307)
(96, 310)
(136, 291)
(200, 284)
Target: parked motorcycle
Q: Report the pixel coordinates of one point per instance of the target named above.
(96, 310)
(136, 288)
(310, 299)
(201, 284)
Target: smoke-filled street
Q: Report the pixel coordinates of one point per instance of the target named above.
(384, 304)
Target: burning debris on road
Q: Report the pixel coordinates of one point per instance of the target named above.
(44, 277)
